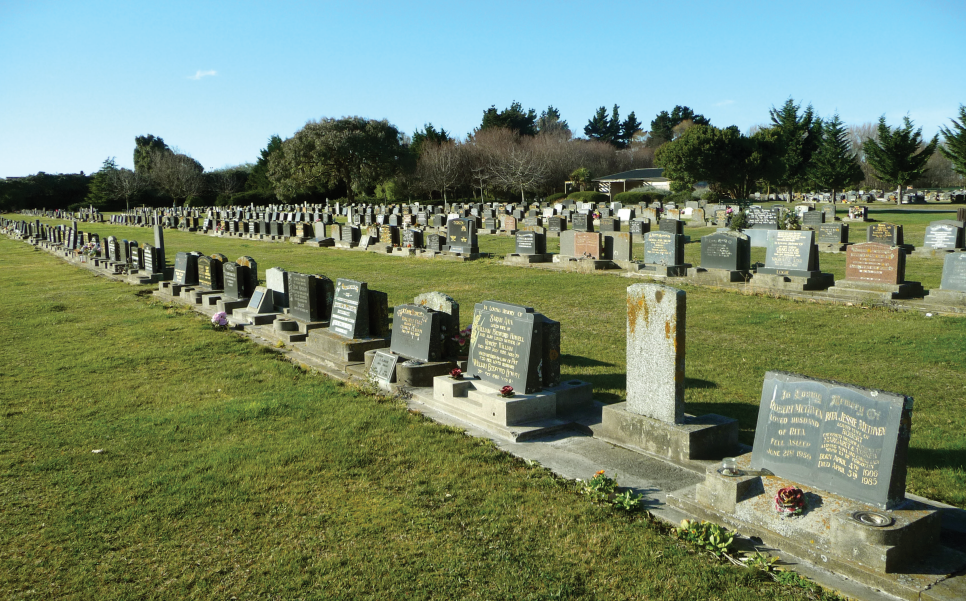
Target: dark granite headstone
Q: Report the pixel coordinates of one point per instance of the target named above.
(874, 262)
(833, 233)
(210, 273)
(639, 227)
(944, 235)
(506, 346)
(582, 223)
(412, 238)
(416, 333)
(186, 268)
(531, 243)
(726, 250)
(954, 272)
(350, 309)
(761, 219)
(790, 253)
(434, 243)
(813, 219)
(889, 234)
(845, 439)
(610, 224)
(310, 297)
(461, 236)
(251, 274)
(556, 224)
(663, 248)
(671, 226)
(235, 280)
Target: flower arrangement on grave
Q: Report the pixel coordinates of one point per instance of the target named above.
(506, 392)
(462, 338)
(456, 373)
(790, 500)
(219, 320)
(595, 215)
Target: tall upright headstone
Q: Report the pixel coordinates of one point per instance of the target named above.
(159, 247)
(656, 317)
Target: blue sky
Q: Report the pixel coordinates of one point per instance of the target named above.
(216, 79)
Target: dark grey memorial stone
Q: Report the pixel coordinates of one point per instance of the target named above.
(761, 219)
(531, 243)
(150, 262)
(251, 274)
(186, 268)
(885, 233)
(671, 226)
(550, 349)
(434, 243)
(944, 235)
(954, 272)
(310, 297)
(610, 224)
(619, 246)
(412, 238)
(351, 233)
(461, 236)
(235, 280)
(506, 346)
(350, 309)
(639, 227)
(556, 224)
(663, 248)
(829, 212)
(383, 367)
(416, 333)
(845, 439)
(833, 233)
(726, 250)
(582, 223)
(813, 219)
(210, 273)
(791, 253)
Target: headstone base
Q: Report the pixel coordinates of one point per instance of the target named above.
(519, 417)
(229, 306)
(381, 249)
(415, 376)
(451, 256)
(816, 280)
(665, 271)
(832, 248)
(515, 259)
(404, 252)
(704, 437)
(952, 298)
(254, 319)
(330, 346)
(858, 289)
(320, 242)
(344, 244)
(933, 252)
(903, 559)
(581, 264)
(700, 275)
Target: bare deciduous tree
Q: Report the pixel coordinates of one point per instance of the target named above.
(177, 174)
(441, 167)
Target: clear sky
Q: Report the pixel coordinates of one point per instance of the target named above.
(79, 80)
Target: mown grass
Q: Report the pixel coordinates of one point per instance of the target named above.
(227, 472)
(732, 339)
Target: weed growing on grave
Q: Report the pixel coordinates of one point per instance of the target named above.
(705, 535)
(602, 489)
(760, 561)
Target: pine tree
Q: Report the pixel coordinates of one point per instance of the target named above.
(954, 148)
(834, 163)
(894, 157)
(798, 138)
(598, 126)
(102, 189)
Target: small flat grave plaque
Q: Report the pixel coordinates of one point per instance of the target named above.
(845, 439)
(383, 367)
(261, 301)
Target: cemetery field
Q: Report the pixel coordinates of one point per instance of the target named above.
(225, 471)
(732, 339)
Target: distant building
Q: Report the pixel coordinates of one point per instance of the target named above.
(635, 178)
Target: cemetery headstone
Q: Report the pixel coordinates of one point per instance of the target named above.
(874, 262)
(663, 248)
(186, 268)
(726, 250)
(531, 243)
(277, 281)
(506, 346)
(655, 351)
(461, 236)
(416, 333)
(310, 297)
(350, 309)
(944, 235)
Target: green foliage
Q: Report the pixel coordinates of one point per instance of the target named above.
(612, 130)
(602, 489)
(430, 135)
(954, 147)
(101, 190)
(725, 158)
(512, 118)
(258, 178)
(899, 156)
(549, 123)
(665, 125)
(556, 196)
(591, 196)
(627, 500)
(192, 201)
(640, 195)
(679, 198)
(834, 163)
(739, 221)
(144, 148)
(760, 561)
(705, 535)
(788, 220)
(711, 195)
(582, 177)
(353, 151)
(797, 137)
(43, 190)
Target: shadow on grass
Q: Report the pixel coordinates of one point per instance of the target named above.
(578, 361)
(934, 459)
(698, 383)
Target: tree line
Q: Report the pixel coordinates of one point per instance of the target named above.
(518, 153)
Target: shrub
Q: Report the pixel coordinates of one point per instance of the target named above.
(256, 197)
(739, 221)
(678, 198)
(711, 195)
(588, 196)
(556, 197)
(640, 195)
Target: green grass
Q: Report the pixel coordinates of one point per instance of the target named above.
(228, 472)
(732, 340)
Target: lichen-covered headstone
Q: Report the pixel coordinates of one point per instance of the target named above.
(655, 351)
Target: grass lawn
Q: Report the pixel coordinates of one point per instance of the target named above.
(227, 472)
